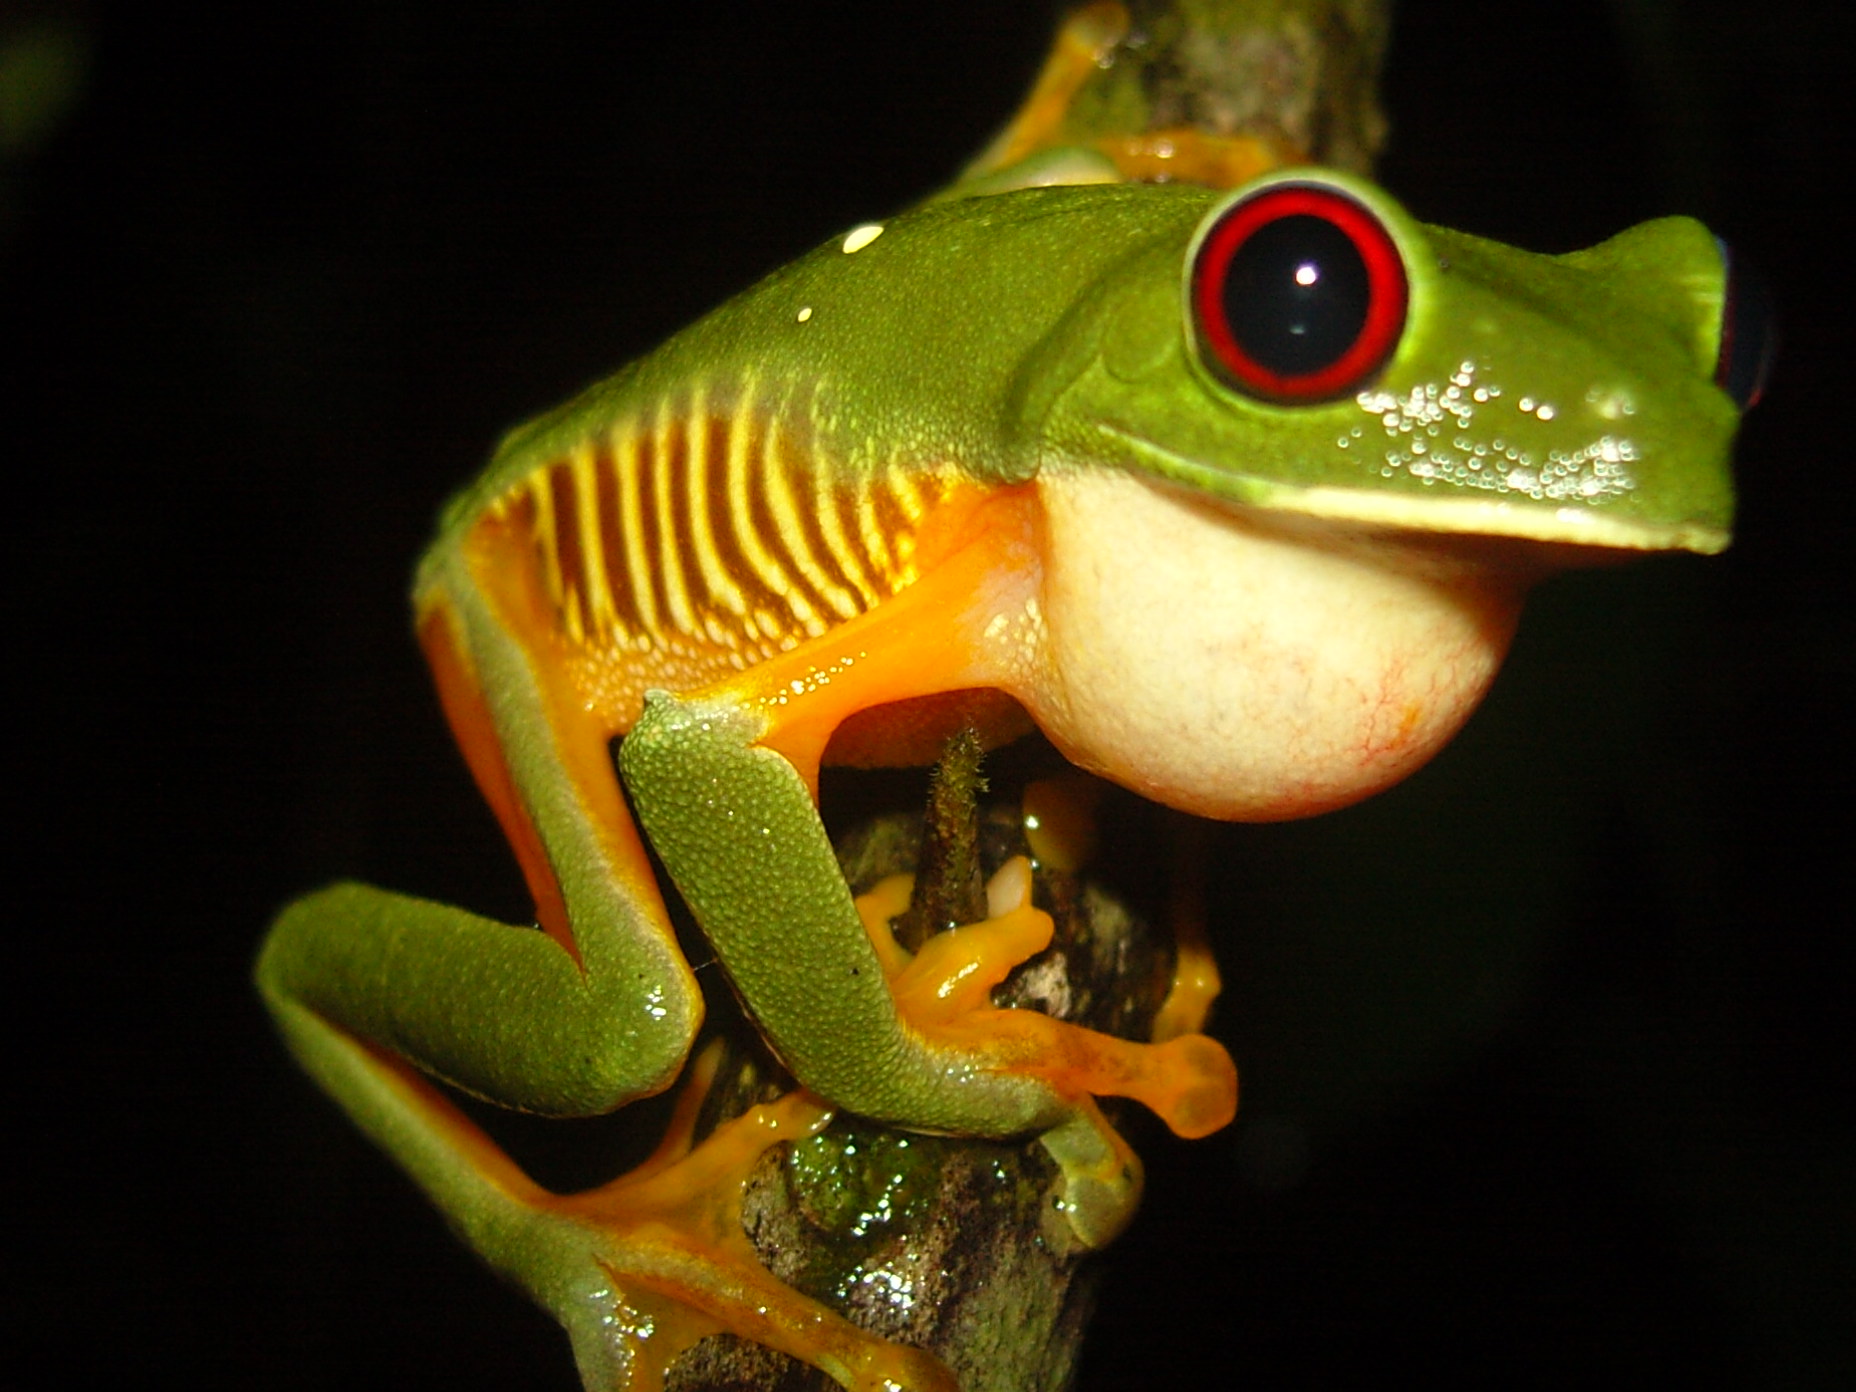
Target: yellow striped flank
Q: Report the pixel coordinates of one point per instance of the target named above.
(692, 532)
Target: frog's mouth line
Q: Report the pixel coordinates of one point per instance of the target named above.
(1559, 524)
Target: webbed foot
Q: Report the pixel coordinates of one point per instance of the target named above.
(670, 1263)
(943, 992)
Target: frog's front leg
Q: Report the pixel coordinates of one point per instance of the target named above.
(722, 780)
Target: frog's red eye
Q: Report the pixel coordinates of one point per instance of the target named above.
(1298, 294)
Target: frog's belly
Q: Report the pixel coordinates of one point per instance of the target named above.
(1212, 660)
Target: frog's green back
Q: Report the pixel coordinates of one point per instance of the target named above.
(898, 343)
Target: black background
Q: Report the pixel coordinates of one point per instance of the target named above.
(1546, 1057)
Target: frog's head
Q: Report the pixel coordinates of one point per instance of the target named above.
(1350, 440)
(1312, 350)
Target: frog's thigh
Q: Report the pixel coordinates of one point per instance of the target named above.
(722, 781)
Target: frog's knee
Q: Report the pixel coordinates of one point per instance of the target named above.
(601, 1075)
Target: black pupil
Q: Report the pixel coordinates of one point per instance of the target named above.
(1296, 294)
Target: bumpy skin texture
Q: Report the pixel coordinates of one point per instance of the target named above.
(972, 450)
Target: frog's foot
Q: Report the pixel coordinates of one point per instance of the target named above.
(671, 1263)
(1069, 132)
(1196, 982)
(1060, 828)
(943, 994)
(1185, 155)
(1086, 43)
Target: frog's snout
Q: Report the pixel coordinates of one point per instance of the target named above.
(1674, 274)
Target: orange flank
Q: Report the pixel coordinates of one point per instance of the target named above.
(670, 552)
(461, 695)
(979, 561)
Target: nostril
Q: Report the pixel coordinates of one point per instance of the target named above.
(1749, 333)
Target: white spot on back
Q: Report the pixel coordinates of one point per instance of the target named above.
(860, 237)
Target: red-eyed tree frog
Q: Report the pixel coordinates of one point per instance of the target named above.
(1234, 495)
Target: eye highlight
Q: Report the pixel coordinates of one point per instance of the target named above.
(1298, 294)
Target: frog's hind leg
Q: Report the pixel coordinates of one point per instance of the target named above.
(636, 1271)
(596, 1010)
